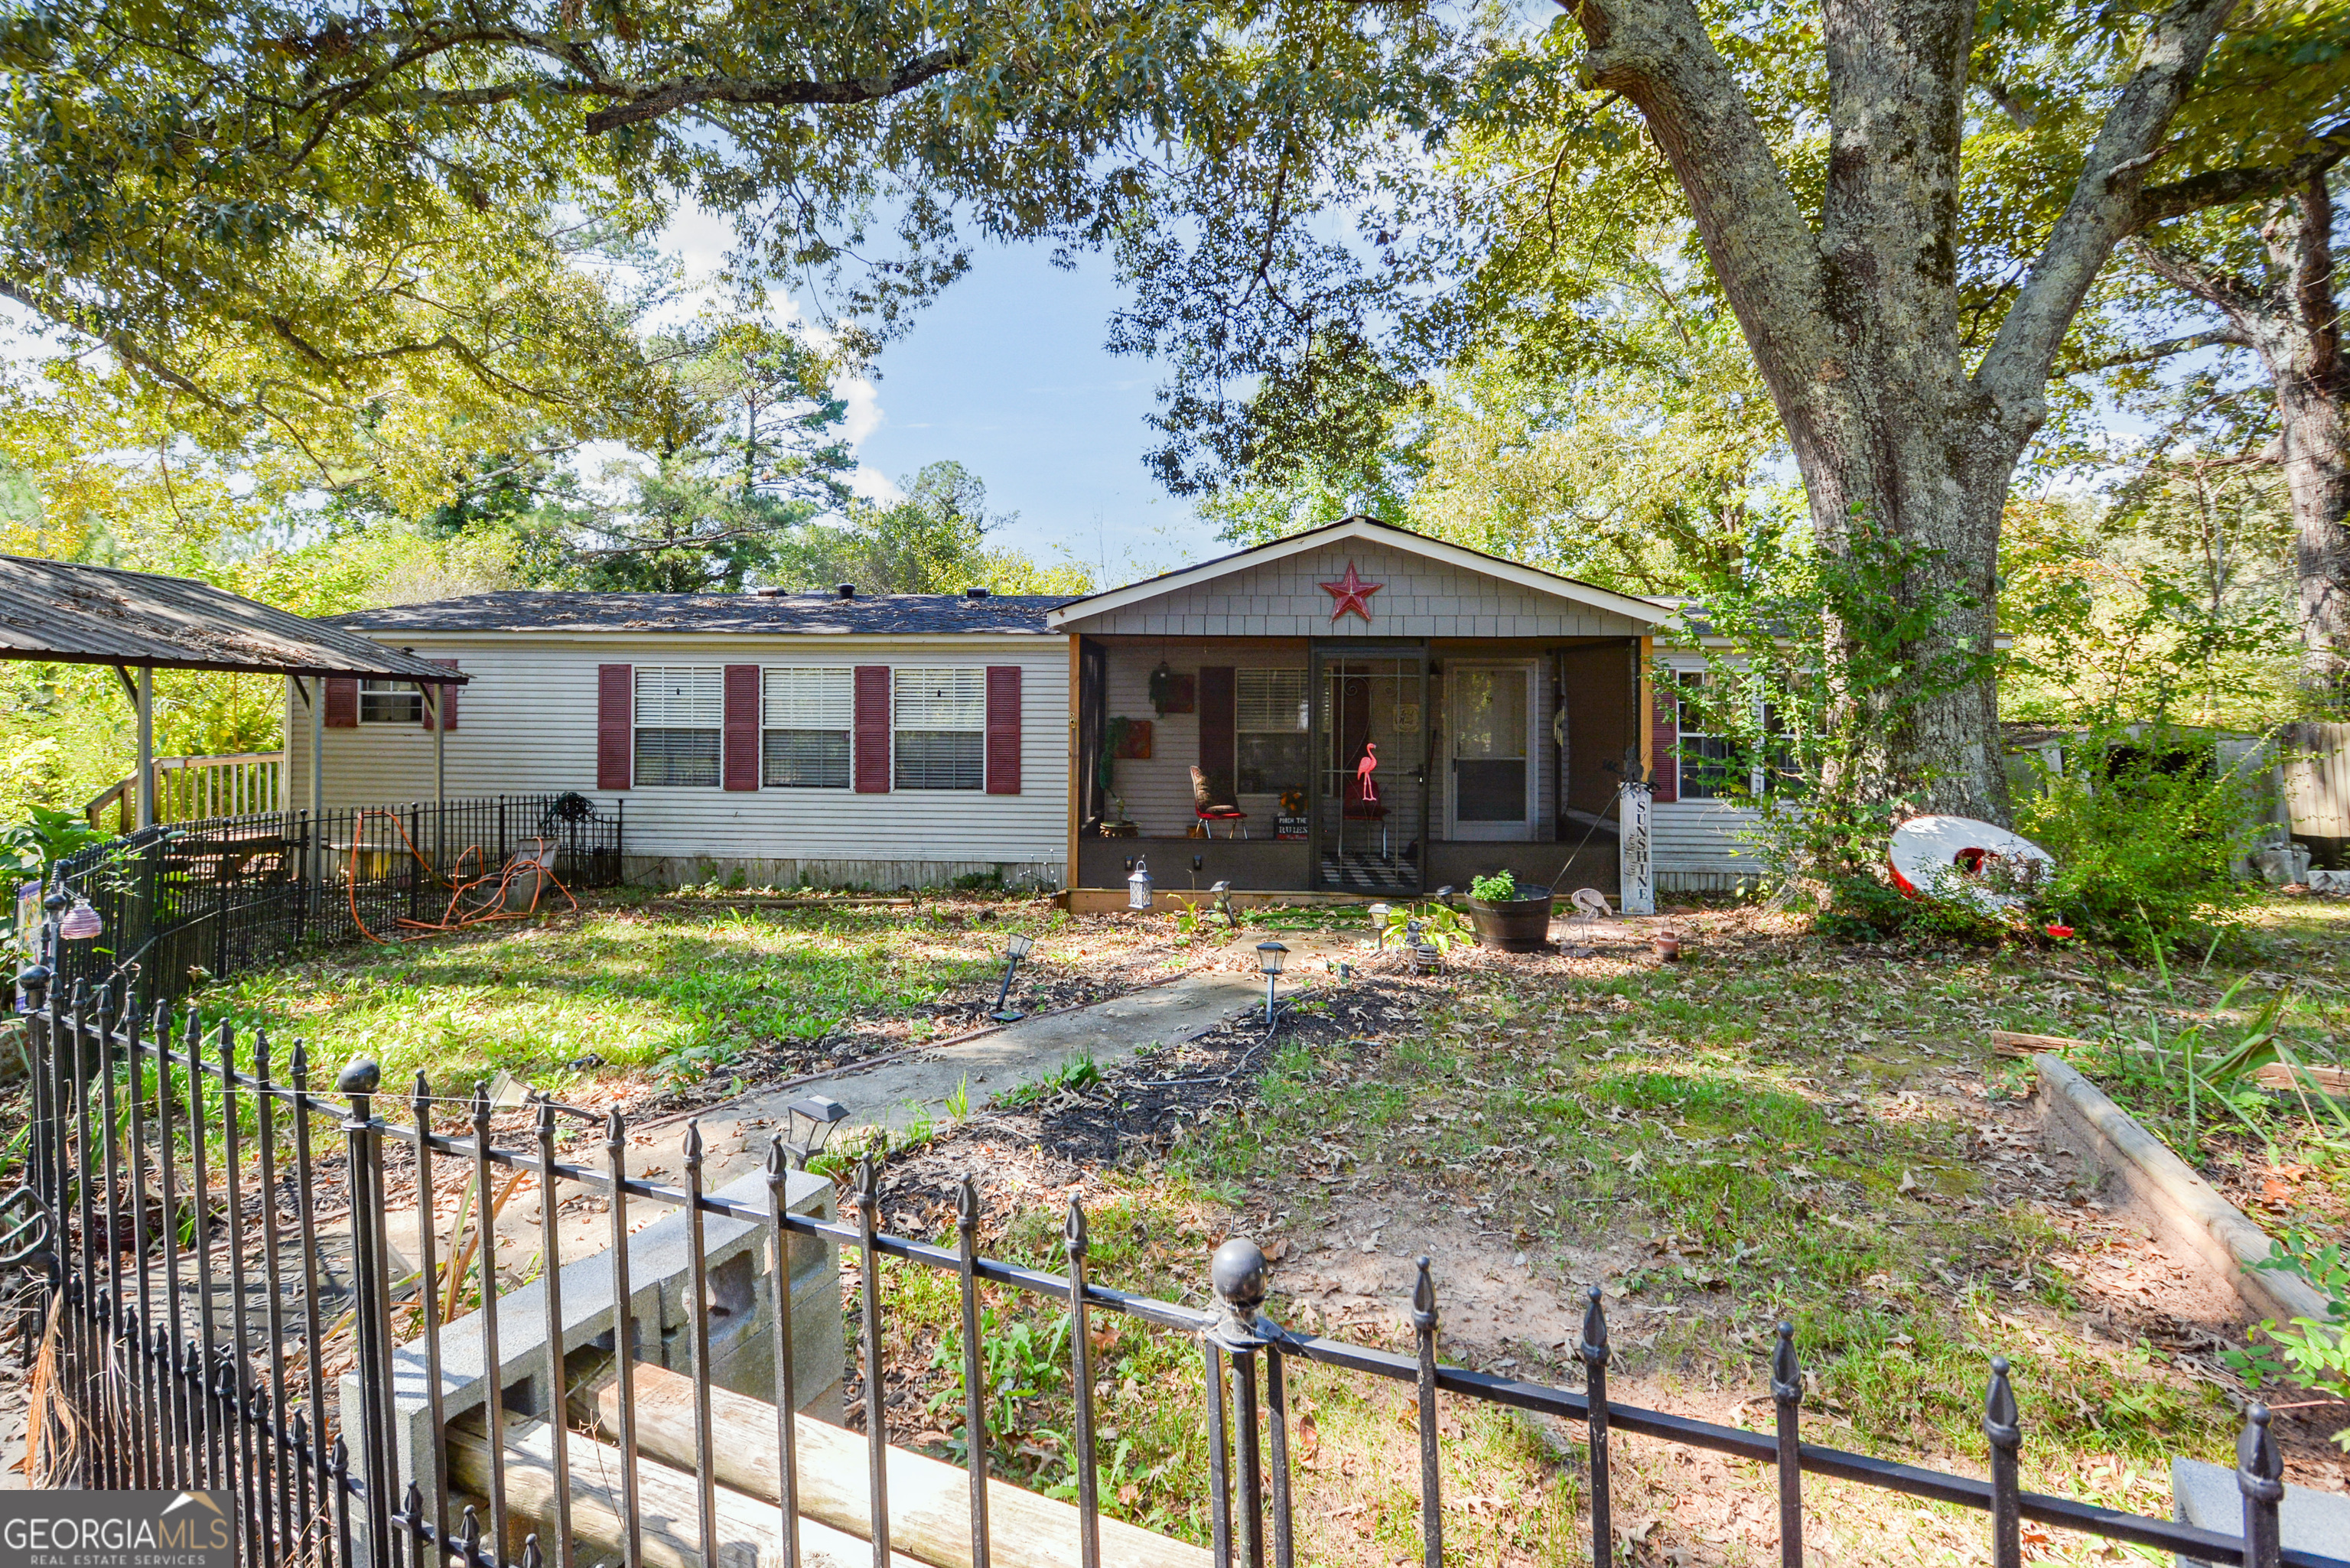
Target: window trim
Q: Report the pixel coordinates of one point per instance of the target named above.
(976, 730)
(846, 731)
(716, 728)
(1684, 774)
(379, 687)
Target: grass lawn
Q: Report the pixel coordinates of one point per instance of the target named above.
(665, 992)
(1775, 1128)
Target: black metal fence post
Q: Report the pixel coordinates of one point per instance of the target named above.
(1593, 1349)
(360, 1080)
(1787, 1393)
(1073, 1245)
(2260, 1476)
(877, 1399)
(974, 1367)
(1431, 1505)
(2005, 1433)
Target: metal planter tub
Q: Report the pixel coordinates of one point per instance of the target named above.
(1516, 926)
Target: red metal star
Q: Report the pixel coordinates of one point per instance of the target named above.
(1351, 593)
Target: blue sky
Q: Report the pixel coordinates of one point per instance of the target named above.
(1007, 375)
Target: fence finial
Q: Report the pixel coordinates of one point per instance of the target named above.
(779, 1159)
(1241, 1277)
(1594, 1348)
(261, 1055)
(2260, 1468)
(2001, 1424)
(1423, 1295)
(868, 1199)
(361, 1077)
(692, 1140)
(1073, 1231)
(966, 1206)
(1786, 1372)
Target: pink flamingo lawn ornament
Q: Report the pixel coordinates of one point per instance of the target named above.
(1365, 789)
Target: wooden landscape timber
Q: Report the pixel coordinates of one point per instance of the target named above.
(930, 1501)
(669, 1508)
(2270, 1075)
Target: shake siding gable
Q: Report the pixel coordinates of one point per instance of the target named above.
(740, 771)
(871, 739)
(1004, 729)
(616, 708)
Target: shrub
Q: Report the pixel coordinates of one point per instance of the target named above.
(1500, 888)
(2147, 832)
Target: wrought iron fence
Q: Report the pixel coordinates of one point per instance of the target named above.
(187, 901)
(134, 1136)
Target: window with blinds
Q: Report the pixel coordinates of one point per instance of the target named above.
(1269, 740)
(941, 720)
(390, 702)
(804, 718)
(680, 714)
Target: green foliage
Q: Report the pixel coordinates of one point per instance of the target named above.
(1074, 1077)
(2145, 831)
(1441, 926)
(2314, 1355)
(1500, 888)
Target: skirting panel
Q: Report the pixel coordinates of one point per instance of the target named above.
(881, 876)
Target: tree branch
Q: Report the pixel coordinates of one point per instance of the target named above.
(2227, 336)
(2104, 207)
(1658, 55)
(2221, 187)
(652, 102)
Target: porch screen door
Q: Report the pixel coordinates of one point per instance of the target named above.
(1490, 725)
(1370, 707)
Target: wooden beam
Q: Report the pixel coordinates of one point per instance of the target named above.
(929, 1502)
(669, 1508)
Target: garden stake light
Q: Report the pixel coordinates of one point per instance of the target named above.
(1379, 913)
(813, 1118)
(1269, 958)
(1015, 947)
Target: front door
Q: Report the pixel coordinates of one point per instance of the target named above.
(1490, 753)
(1370, 778)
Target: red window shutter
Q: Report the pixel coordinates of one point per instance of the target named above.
(1004, 729)
(871, 769)
(447, 698)
(1219, 720)
(742, 736)
(1665, 741)
(616, 713)
(342, 704)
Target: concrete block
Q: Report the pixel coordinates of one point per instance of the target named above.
(660, 1310)
(2207, 1496)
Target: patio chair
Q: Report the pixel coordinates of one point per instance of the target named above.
(1210, 811)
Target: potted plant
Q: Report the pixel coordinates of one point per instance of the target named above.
(1511, 918)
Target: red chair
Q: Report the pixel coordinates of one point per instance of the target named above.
(1360, 800)
(1210, 811)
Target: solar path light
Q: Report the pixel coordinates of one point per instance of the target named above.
(1269, 958)
(811, 1121)
(1016, 947)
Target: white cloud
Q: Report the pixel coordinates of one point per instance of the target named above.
(875, 486)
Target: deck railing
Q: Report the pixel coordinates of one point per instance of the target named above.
(192, 789)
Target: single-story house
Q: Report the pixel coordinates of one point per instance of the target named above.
(1355, 709)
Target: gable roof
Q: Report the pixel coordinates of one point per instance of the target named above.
(1371, 530)
(900, 614)
(76, 614)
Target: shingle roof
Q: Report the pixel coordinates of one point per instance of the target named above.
(904, 615)
(77, 614)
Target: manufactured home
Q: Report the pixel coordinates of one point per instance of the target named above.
(1357, 709)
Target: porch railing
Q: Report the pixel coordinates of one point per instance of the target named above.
(173, 1389)
(190, 789)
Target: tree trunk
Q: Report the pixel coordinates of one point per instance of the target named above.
(1854, 326)
(2289, 317)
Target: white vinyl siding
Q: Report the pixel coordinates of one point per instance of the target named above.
(679, 711)
(1270, 735)
(941, 720)
(806, 717)
(390, 702)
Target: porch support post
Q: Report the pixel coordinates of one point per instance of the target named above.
(146, 745)
(438, 697)
(316, 694)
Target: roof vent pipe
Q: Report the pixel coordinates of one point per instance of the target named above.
(846, 591)
(974, 593)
